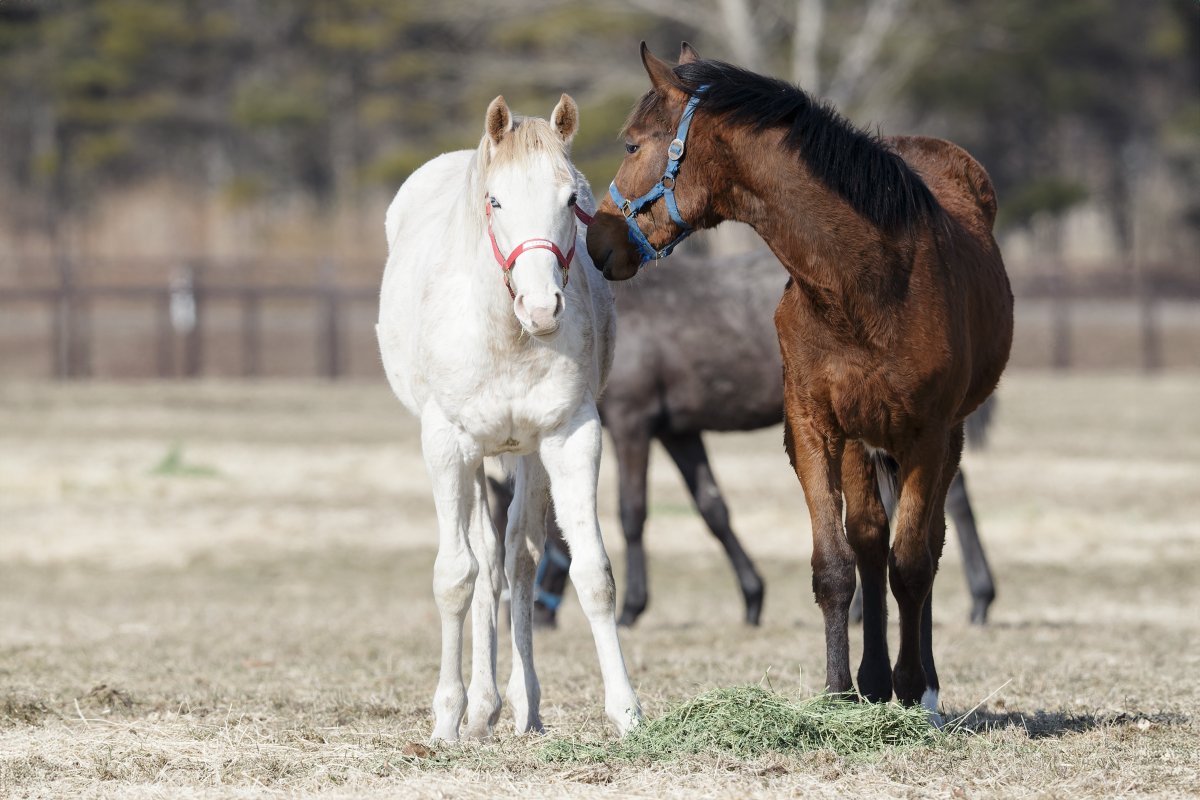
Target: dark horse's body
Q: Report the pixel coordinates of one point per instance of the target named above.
(895, 325)
(697, 351)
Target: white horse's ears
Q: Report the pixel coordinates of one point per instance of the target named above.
(499, 120)
(687, 54)
(565, 118)
(658, 70)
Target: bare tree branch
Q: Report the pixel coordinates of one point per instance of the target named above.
(744, 41)
(690, 14)
(806, 43)
(864, 49)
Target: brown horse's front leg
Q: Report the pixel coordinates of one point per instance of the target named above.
(925, 474)
(816, 454)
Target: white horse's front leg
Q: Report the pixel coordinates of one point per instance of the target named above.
(523, 544)
(571, 455)
(454, 570)
(483, 698)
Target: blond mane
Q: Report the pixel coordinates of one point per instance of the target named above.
(529, 136)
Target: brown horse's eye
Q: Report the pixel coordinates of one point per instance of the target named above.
(631, 148)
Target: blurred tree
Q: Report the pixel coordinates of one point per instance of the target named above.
(258, 98)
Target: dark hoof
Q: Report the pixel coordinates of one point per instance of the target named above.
(909, 685)
(875, 682)
(754, 603)
(979, 610)
(629, 616)
(544, 618)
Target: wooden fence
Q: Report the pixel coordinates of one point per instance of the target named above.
(243, 320)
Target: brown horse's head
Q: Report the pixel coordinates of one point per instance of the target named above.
(651, 128)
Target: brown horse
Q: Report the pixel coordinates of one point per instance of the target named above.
(895, 325)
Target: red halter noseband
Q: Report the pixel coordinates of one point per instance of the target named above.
(506, 264)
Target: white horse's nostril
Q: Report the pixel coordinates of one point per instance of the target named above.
(560, 303)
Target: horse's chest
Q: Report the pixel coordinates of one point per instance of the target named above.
(509, 410)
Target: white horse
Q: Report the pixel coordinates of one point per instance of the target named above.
(485, 339)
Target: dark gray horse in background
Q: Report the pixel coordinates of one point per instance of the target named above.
(696, 352)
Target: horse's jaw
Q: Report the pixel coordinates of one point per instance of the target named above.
(546, 334)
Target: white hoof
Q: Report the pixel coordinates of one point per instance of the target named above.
(929, 701)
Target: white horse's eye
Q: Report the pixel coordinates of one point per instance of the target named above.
(495, 203)
(571, 200)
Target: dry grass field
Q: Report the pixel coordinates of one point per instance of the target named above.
(223, 590)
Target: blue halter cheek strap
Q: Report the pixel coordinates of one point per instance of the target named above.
(665, 188)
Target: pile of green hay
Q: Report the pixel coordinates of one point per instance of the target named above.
(748, 721)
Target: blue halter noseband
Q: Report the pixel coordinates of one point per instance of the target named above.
(664, 188)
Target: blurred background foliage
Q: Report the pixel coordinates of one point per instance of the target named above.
(249, 100)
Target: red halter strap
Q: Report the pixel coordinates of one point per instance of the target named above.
(506, 264)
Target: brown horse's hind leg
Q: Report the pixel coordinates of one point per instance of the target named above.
(867, 530)
(816, 456)
(920, 532)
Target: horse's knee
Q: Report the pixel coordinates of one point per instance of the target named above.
(712, 508)
(833, 579)
(594, 585)
(633, 519)
(910, 573)
(454, 581)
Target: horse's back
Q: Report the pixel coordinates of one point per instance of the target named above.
(415, 223)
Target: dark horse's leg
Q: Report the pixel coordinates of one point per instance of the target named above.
(552, 569)
(926, 471)
(816, 455)
(867, 531)
(552, 574)
(687, 450)
(632, 446)
(975, 564)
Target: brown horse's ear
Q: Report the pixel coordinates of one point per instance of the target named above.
(687, 54)
(499, 120)
(658, 70)
(565, 118)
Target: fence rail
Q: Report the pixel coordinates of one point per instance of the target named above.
(211, 319)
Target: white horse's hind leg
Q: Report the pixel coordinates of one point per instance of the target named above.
(455, 568)
(483, 698)
(523, 544)
(572, 458)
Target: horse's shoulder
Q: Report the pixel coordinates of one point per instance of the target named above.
(950, 171)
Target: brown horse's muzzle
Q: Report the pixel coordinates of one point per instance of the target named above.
(609, 246)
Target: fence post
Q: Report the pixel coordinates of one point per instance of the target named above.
(164, 338)
(331, 352)
(251, 334)
(186, 316)
(62, 321)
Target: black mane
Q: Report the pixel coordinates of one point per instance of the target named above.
(858, 166)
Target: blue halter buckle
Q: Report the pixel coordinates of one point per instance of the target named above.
(665, 188)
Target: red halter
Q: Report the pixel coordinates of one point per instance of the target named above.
(506, 264)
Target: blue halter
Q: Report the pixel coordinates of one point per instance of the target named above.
(664, 188)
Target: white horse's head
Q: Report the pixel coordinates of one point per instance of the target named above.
(529, 192)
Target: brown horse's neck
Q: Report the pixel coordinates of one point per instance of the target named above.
(819, 238)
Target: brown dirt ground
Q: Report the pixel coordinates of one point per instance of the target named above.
(256, 620)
